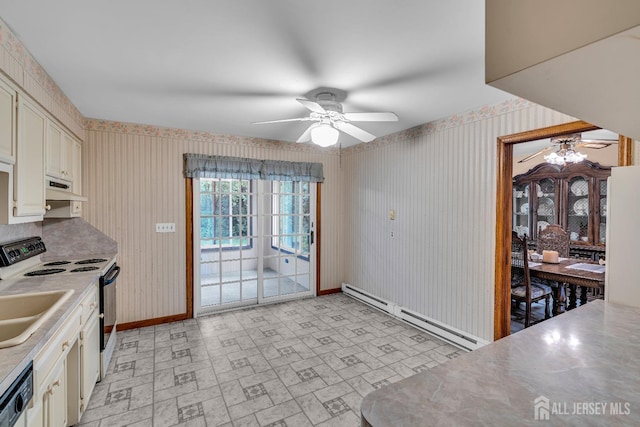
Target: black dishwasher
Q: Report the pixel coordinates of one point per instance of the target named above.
(15, 400)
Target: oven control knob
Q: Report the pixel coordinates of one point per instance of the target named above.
(19, 403)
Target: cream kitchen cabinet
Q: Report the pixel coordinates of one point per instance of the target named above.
(8, 99)
(62, 153)
(67, 368)
(28, 180)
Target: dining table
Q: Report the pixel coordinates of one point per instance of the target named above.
(573, 272)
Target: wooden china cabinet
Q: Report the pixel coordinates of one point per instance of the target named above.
(573, 196)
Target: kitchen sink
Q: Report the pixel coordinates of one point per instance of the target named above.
(21, 315)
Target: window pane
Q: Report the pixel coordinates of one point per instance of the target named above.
(206, 204)
(206, 227)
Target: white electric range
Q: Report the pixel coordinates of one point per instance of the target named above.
(22, 259)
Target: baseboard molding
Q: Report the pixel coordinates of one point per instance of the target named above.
(441, 330)
(329, 291)
(152, 322)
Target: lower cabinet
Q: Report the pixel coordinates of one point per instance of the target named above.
(89, 359)
(67, 368)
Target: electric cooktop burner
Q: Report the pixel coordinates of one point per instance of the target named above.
(45, 272)
(80, 269)
(56, 263)
(68, 268)
(91, 261)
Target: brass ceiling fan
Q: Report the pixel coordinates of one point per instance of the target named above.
(566, 149)
(329, 120)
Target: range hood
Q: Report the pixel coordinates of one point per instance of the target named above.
(60, 191)
(62, 195)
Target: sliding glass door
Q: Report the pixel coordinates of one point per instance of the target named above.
(254, 240)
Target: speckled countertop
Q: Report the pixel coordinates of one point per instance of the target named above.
(582, 368)
(14, 359)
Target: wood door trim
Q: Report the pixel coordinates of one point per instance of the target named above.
(189, 249)
(502, 299)
(318, 235)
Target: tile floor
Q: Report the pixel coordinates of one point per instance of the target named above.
(300, 363)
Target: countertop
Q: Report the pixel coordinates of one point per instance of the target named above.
(580, 367)
(14, 359)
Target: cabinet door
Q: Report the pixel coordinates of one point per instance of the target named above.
(7, 124)
(29, 169)
(521, 209)
(546, 204)
(601, 214)
(89, 359)
(70, 157)
(56, 400)
(54, 150)
(578, 208)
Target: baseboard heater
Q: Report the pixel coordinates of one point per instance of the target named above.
(446, 332)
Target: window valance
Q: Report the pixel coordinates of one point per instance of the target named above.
(206, 166)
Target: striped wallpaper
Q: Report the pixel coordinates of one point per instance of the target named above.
(132, 176)
(441, 183)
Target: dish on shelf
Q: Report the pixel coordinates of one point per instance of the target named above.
(580, 188)
(542, 225)
(522, 229)
(603, 206)
(545, 206)
(524, 208)
(581, 206)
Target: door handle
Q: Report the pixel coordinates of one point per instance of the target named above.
(312, 237)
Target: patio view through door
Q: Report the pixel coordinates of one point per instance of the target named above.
(253, 242)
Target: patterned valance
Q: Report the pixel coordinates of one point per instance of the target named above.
(206, 166)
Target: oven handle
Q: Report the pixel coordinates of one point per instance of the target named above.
(112, 275)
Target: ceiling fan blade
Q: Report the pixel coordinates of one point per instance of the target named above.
(298, 119)
(544, 150)
(313, 106)
(596, 143)
(306, 135)
(371, 117)
(355, 131)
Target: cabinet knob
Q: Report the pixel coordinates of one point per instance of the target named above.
(65, 345)
(47, 207)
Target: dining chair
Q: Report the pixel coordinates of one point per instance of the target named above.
(522, 290)
(554, 238)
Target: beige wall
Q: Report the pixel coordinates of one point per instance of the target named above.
(132, 175)
(441, 181)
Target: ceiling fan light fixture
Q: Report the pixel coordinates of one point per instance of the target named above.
(566, 154)
(324, 135)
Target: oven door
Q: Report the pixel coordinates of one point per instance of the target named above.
(108, 315)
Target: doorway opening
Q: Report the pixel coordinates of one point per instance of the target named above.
(504, 207)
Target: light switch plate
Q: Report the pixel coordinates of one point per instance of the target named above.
(165, 227)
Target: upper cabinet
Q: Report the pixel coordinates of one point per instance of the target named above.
(573, 196)
(29, 167)
(584, 63)
(8, 97)
(61, 153)
(32, 146)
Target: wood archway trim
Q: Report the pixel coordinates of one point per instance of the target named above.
(502, 300)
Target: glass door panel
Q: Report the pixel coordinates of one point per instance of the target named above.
(602, 232)
(578, 209)
(546, 213)
(521, 208)
(254, 242)
(287, 266)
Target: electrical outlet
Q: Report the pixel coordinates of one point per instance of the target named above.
(165, 227)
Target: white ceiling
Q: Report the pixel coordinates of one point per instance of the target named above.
(218, 65)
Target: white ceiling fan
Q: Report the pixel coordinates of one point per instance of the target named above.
(326, 112)
(566, 148)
